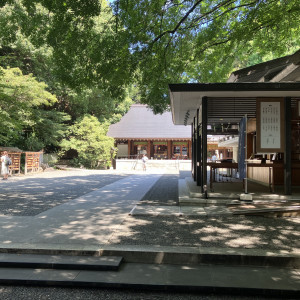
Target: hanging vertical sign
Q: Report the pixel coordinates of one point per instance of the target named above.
(270, 125)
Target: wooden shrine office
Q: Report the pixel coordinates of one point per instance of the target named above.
(260, 104)
(269, 132)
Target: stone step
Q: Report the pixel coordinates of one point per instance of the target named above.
(110, 257)
(194, 191)
(187, 197)
(213, 279)
(42, 261)
(204, 255)
(184, 197)
(287, 211)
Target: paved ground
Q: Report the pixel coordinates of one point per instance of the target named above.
(32, 195)
(92, 208)
(252, 232)
(86, 219)
(89, 210)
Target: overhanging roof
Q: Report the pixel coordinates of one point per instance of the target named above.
(283, 69)
(186, 98)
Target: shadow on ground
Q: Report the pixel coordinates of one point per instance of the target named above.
(224, 232)
(33, 196)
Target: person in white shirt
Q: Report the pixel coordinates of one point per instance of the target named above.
(4, 166)
(214, 158)
(144, 161)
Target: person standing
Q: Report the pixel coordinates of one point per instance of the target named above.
(4, 165)
(144, 161)
(214, 158)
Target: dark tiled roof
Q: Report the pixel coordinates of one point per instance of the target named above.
(141, 122)
(11, 149)
(284, 69)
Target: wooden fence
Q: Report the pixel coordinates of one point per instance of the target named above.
(32, 162)
(15, 167)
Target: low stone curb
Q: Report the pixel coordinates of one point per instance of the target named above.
(170, 254)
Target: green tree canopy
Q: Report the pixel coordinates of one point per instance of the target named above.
(203, 40)
(150, 43)
(30, 34)
(80, 39)
(88, 137)
(23, 108)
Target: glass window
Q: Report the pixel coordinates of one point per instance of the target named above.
(176, 150)
(160, 151)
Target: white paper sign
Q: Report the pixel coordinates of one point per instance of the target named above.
(270, 124)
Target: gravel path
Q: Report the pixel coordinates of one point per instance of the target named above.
(54, 293)
(251, 232)
(225, 232)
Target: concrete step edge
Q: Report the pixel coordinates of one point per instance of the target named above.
(195, 255)
(176, 254)
(273, 209)
(65, 262)
(288, 292)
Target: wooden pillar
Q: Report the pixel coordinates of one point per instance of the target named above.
(149, 148)
(287, 147)
(189, 149)
(204, 143)
(169, 152)
(194, 158)
(129, 148)
(198, 151)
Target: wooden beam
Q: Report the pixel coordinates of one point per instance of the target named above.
(287, 147)
(204, 144)
(198, 151)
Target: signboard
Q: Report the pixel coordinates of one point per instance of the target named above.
(270, 125)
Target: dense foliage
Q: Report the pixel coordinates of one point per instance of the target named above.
(88, 138)
(203, 40)
(25, 119)
(97, 56)
(38, 43)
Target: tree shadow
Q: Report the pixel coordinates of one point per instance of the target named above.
(97, 208)
(218, 232)
(32, 196)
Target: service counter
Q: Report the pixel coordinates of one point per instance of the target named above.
(219, 165)
(271, 173)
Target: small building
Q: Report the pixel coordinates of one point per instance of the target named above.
(261, 105)
(140, 132)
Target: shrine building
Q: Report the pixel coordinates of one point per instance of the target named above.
(260, 107)
(140, 132)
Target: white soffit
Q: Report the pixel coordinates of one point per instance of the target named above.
(185, 100)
